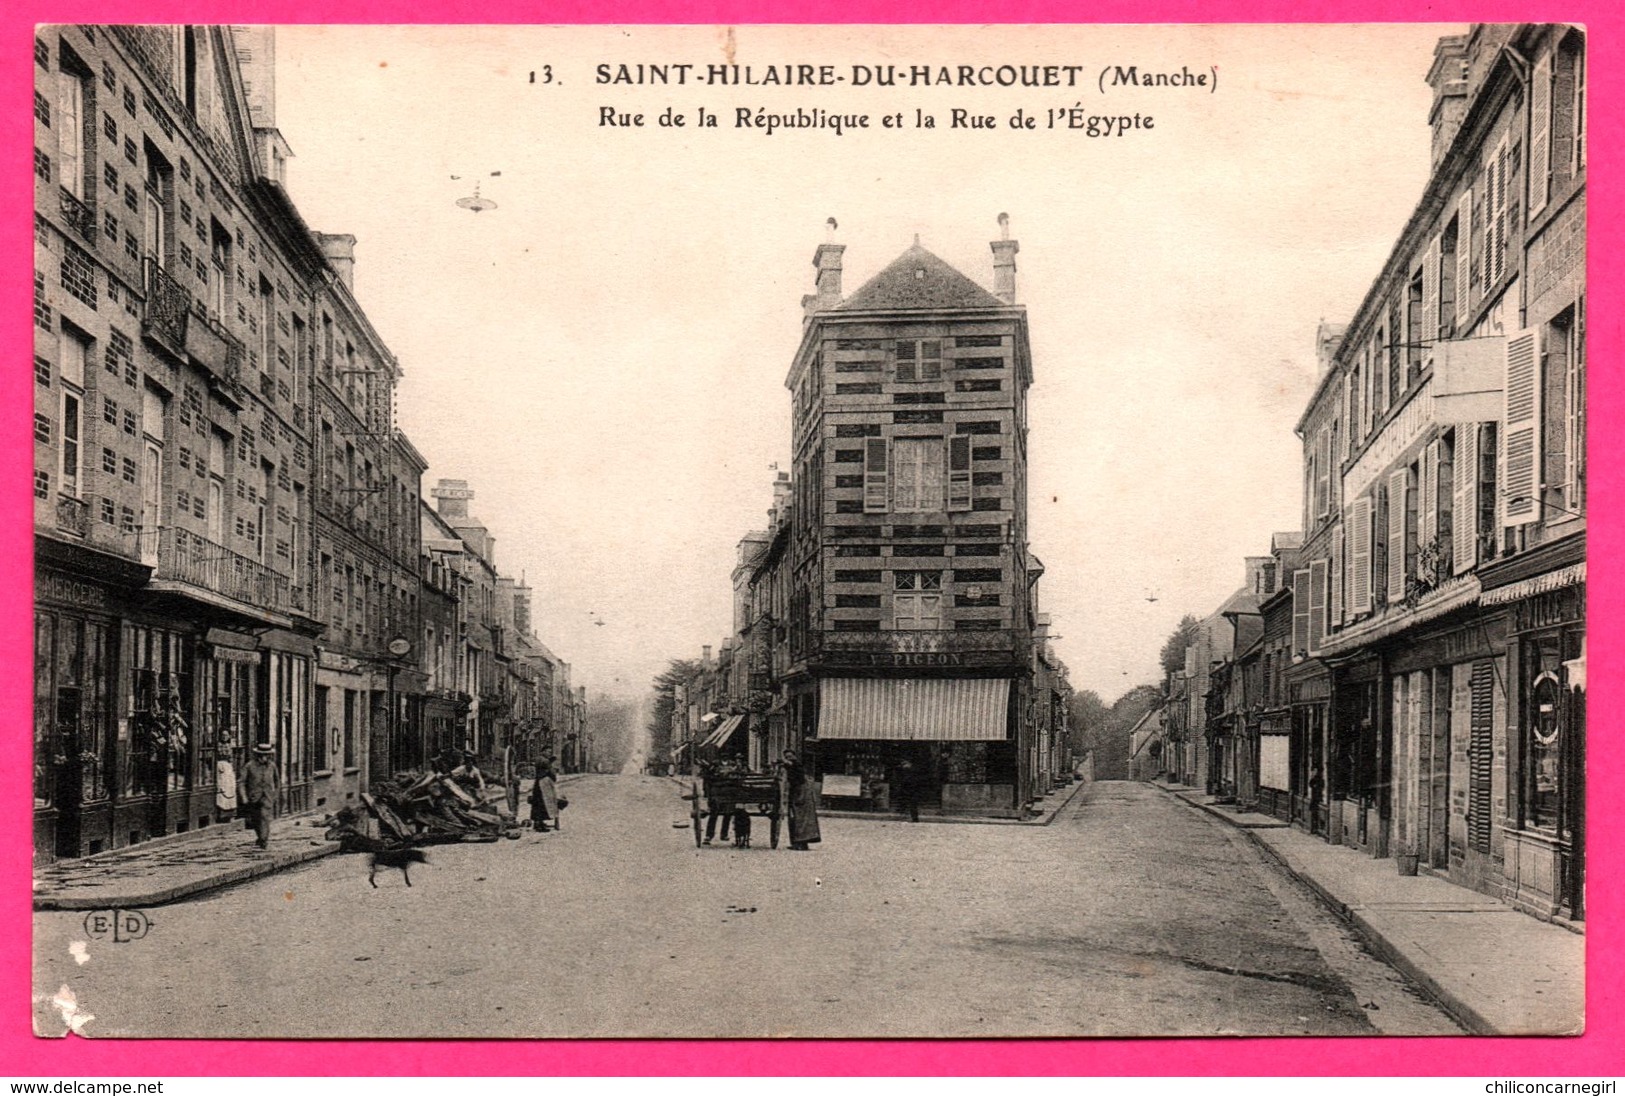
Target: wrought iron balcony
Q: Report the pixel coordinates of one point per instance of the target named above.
(72, 515)
(213, 348)
(194, 561)
(79, 215)
(922, 648)
(168, 308)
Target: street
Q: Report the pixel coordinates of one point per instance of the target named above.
(1132, 914)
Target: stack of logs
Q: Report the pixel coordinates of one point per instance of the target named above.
(427, 809)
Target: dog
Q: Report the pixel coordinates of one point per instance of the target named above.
(741, 825)
(394, 857)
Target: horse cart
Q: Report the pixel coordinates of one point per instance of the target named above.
(761, 794)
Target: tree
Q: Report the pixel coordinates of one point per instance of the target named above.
(1089, 714)
(678, 671)
(1173, 651)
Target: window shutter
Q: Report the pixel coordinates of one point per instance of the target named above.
(906, 367)
(1501, 158)
(1427, 509)
(1575, 428)
(875, 479)
(959, 472)
(1397, 482)
(1359, 551)
(1323, 473)
(1464, 508)
(1464, 259)
(930, 359)
(1335, 620)
(1300, 613)
(1430, 298)
(1520, 482)
(1317, 604)
(1540, 134)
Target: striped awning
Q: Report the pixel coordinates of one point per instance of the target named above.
(914, 709)
(1539, 584)
(723, 732)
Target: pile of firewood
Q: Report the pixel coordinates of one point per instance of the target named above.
(426, 809)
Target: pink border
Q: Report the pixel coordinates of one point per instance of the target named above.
(23, 1055)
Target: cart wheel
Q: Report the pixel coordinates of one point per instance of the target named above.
(694, 813)
(773, 829)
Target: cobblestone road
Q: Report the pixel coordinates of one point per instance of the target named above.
(1132, 914)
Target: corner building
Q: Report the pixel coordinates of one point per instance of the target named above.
(910, 609)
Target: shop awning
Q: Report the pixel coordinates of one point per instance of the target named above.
(914, 709)
(724, 731)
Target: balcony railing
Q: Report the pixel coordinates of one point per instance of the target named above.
(214, 348)
(193, 560)
(80, 216)
(168, 308)
(922, 648)
(72, 515)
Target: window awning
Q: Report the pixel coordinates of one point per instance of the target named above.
(719, 737)
(914, 709)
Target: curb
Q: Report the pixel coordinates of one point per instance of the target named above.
(1046, 816)
(1458, 1010)
(190, 889)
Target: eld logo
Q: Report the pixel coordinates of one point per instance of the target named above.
(121, 926)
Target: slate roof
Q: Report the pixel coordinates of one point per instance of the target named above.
(917, 279)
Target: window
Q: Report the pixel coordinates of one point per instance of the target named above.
(74, 352)
(919, 359)
(918, 475)
(220, 260)
(70, 148)
(1415, 295)
(155, 211)
(917, 601)
(267, 320)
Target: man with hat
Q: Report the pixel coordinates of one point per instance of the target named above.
(257, 791)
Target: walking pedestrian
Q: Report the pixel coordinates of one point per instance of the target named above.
(802, 800)
(258, 792)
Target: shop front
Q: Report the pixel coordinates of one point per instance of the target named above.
(953, 733)
(1544, 864)
(1308, 688)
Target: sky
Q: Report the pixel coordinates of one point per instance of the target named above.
(602, 356)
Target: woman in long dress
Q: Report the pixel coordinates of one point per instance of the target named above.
(803, 803)
(544, 798)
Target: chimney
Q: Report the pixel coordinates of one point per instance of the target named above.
(256, 64)
(451, 498)
(1004, 262)
(1261, 575)
(1448, 77)
(827, 261)
(705, 656)
(1328, 338)
(340, 252)
(781, 496)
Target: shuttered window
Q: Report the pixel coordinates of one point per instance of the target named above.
(1481, 757)
(1317, 604)
(1427, 507)
(875, 478)
(917, 485)
(1464, 259)
(1334, 607)
(1397, 484)
(1520, 503)
(1540, 134)
(1323, 472)
(959, 473)
(1359, 551)
(1464, 541)
(1300, 613)
(1430, 297)
(919, 359)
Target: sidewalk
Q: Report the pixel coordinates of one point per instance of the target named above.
(180, 866)
(169, 869)
(1495, 970)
